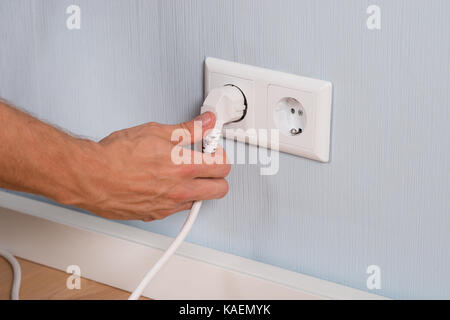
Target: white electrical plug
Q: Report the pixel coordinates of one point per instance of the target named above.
(228, 105)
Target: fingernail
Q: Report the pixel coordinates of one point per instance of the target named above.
(206, 118)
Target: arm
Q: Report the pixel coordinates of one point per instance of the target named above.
(127, 175)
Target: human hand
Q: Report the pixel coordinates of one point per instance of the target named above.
(132, 175)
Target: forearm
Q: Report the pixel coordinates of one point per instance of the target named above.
(40, 159)
(127, 175)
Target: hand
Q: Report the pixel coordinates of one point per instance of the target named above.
(132, 176)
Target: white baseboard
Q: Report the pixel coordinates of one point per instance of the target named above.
(120, 255)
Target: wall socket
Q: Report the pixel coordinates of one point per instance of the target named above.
(299, 107)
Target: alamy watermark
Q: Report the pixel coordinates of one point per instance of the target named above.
(374, 280)
(73, 21)
(265, 139)
(374, 19)
(74, 280)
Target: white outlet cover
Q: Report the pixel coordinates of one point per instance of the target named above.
(277, 101)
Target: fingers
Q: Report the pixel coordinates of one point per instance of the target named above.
(200, 189)
(191, 131)
(203, 165)
(207, 189)
(211, 170)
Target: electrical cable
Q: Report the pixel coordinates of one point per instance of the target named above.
(17, 273)
(169, 252)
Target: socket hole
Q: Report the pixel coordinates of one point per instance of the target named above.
(290, 116)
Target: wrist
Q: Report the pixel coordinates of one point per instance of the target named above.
(84, 163)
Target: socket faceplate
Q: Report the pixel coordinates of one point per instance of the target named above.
(270, 95)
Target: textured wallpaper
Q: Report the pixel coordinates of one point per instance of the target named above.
(384, 197)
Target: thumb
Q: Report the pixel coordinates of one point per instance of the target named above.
(191, 131)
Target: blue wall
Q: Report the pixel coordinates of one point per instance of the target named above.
(383, 198)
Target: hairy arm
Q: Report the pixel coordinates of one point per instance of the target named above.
(38, 158)
(127, 175)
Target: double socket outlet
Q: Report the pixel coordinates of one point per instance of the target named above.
(298, 108)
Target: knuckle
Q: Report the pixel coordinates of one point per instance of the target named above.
(115, 134)
(112, 136)
(151, 127)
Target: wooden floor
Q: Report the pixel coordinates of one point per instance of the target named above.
(43, 283)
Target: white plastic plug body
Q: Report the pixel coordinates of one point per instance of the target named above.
(228, 105)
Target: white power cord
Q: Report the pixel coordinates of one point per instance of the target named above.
(17, 273)
(169, 252)
(228, 104)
